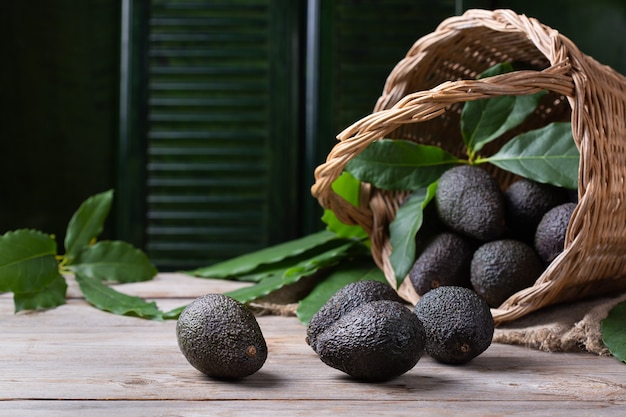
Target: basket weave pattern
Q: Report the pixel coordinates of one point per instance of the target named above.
(422, 100)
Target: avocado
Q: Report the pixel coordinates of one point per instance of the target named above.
(458, 324)
(526, 203)
(444, 261)
(503, 267)
(220, 337)
(550, 234)
(470, 202)
(375, 341)
(346, 299)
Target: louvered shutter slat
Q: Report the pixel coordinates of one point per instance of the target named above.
(208, 165)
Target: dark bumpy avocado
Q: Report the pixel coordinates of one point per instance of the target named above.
(526, 203)
(444, 261)
(470, 202)
(550, 234)
(458, 324)
(346, 299)
(501, 268)
(220, 337)
(375, 341)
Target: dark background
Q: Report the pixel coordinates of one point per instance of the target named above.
(209, 119)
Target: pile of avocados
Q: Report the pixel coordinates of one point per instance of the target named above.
(480, 246)
(493, 241)
(368, 333)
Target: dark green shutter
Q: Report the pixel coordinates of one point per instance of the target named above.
(220, 131)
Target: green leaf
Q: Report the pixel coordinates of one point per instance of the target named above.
(246, 264)
(27, 261)
(500, 68)
(113, 261)
(50, 296)
(87, 223)
(174, 313)
(294, 273)
(349, 249)
(547, 155)
(404, 228)
(400, 165)
(342, 275)
(347, 231)
(483, 121)
(108, 299)
(614, 331)
(280, 267)
(262, 288)
(269, 270)
(349, 188)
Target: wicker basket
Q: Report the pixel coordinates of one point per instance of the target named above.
(422, 100)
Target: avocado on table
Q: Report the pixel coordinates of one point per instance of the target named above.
(458, 324)
(344, 300)
(220, 337)
(375, 341)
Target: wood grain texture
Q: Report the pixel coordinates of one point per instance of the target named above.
(303, 408)
(77, 360)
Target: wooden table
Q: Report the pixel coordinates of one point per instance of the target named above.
(78, 361)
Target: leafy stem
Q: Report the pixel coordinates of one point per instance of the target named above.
(32, 268)
(478, 160)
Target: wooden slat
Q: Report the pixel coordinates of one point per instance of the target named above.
(269, 408)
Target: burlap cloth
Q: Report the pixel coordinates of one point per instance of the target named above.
(572, 327)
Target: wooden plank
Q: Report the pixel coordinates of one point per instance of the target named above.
(305, 408)
(82, 357)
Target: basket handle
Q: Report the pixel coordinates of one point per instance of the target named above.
(418, 107)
